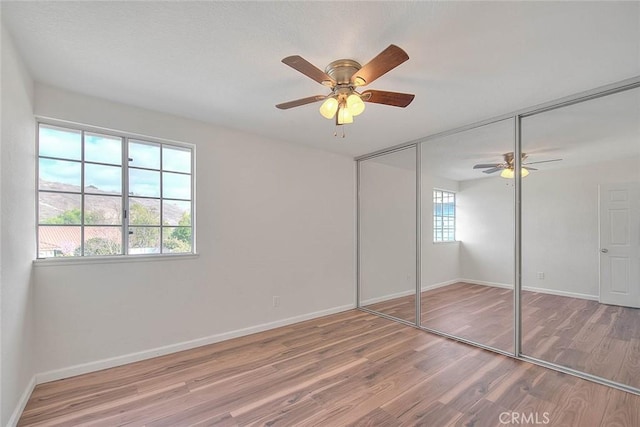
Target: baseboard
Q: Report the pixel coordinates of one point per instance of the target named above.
(534, 289)
(388, 297)
(173, 348)
(561, 293)
(22, 403)
(485, 283)
(439, 285)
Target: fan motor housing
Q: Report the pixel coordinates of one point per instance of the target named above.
(342, 70)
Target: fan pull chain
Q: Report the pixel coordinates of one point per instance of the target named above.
(335, 132)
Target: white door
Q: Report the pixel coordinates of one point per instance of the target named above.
(620, 244)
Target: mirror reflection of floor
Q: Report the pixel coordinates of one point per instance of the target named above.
(585, 335)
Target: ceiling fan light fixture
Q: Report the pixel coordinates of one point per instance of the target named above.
(343, 76)
(355, 104)
(329, 107)
(344, 115)
(359, 81)
(508, 173)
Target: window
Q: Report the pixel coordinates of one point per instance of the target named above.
(444, 216)
(105, 194)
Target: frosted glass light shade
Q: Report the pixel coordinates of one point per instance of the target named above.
(344, 116)
(355, 104)
(329, 107)
(508, 173)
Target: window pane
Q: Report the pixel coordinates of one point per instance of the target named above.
(176, 213)
(57, 142)
(175, 186)
(59, 208)
(144, 240)
(102, 210)
(144, 211)
(59, 175)
(102, 149)
(176, 239)
(144, 154)
(144, 183)
(102, 241)
(55, 241)
(176, 159)
(102, 179)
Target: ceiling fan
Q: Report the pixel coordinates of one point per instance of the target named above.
(343, 77)
(507, 165)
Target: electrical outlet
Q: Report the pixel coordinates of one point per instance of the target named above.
(276, 301)
(540, 275)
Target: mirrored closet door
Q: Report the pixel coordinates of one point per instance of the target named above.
(467, 235)
(387, 233)
(581, 237)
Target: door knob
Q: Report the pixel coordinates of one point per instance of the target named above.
(604, 250)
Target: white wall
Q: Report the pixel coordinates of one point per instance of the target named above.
(17, 231)
(387, 229)
(560, 225)
(485, 215)
(273, 219)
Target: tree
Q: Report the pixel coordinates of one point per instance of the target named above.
(175, 245)
(183, 232)
(74, 216)
(180, 238)
(99, 246)
(143, 237)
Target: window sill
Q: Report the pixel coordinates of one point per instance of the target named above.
(60, 261)
(447, 242)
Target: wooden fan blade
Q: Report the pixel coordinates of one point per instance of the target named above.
(484, 166)
(395, 99)
(308, 69)
(386, 61)
(492, 170)
(299, 102)
(542, 161)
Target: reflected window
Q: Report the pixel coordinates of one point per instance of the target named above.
(444, 216)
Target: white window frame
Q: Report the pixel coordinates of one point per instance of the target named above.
(125, 137)
(442, 193)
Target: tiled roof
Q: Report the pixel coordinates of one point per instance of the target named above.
(67, 238)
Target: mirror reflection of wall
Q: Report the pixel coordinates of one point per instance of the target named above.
(467, 250)
(581, 237)
(387, 221)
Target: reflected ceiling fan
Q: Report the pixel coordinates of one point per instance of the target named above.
(508, 164)
(343, 77)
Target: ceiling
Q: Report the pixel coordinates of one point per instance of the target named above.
(219, 62)
(598, 130)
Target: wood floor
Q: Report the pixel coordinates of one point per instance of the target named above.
(347, 369)
(596, 338)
